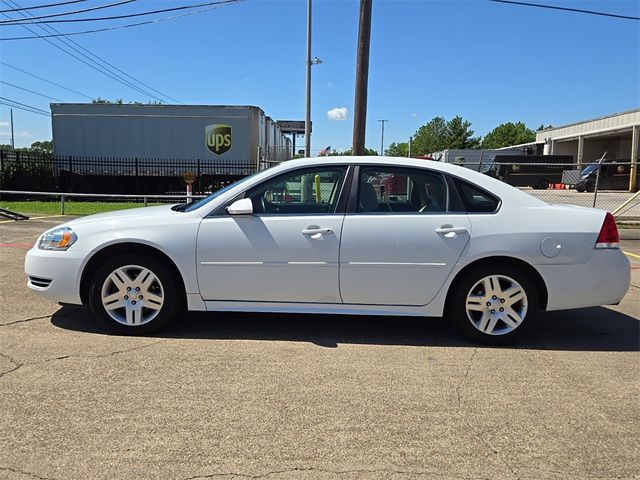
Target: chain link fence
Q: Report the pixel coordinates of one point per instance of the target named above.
(608, 185)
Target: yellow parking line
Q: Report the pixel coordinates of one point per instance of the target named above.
(33, 218)
(631, 254)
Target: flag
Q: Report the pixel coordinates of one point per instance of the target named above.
(325, 152)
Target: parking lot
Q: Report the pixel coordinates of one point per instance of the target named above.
(230, 396)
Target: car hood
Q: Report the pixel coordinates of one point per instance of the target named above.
(129, 215)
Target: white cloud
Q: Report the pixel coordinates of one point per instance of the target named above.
(414, 115)
(329, 84)
(18, 135)
(338, 113)
(4, 124)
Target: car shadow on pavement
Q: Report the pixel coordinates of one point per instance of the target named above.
(588, 329)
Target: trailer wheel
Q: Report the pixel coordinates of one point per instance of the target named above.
(543, 185)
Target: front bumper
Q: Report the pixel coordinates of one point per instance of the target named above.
(603, 280)
(55, 275)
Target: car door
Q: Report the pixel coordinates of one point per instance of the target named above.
(287, 250)
(399, 243)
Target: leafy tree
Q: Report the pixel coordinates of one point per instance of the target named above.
(367, 151)
(460, 135)
(45, 146)
(508, 134)
(542, 127)
(397, 150)
(440, 134)
(430, 137)
(117, 101)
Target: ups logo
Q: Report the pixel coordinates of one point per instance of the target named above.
(218, 138)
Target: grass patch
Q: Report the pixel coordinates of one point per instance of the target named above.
(70, 207)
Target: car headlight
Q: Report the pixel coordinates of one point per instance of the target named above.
(58, 239)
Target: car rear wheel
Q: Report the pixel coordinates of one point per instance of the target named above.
(495, 304)
(134, 294)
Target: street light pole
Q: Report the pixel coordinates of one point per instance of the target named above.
(362, 77)
(382, 137)
(307, 122)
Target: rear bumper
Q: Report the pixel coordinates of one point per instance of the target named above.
(55, 275)
(603, 280)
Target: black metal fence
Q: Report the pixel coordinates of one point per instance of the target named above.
(48, 173)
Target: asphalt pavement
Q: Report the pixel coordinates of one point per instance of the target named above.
(232, 396)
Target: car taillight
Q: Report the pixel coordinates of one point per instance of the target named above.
(608, 237)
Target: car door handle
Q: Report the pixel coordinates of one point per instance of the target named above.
(451, 229)
(314, 230)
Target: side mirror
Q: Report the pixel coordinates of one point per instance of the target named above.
(244, 206)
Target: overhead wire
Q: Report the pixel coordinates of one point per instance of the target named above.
(30, 91)
(130, 15)
(48, 5)
(69, 43)
(45, 80)
(75, 12)
(130, 25)
(567, 9)
(23, 106)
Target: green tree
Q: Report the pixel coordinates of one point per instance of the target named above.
(440, 134)
(508, 134)
(542, 127)
(45, 146)
(348, 152)
(460, 135)
(397, 150)
(431, 137)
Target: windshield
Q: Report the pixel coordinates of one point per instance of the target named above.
(189, 207)
(590, 169)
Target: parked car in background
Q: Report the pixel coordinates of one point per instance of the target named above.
(349, 235)
(610, 175)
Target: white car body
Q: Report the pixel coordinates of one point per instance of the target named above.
(369, 263)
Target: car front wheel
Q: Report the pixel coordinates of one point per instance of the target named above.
(134, 294)
(495, 304)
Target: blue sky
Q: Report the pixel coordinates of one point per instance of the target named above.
(488, 62)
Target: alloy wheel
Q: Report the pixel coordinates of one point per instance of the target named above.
(496, 305)
(132, 295)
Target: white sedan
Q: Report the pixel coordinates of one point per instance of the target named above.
(351, 235)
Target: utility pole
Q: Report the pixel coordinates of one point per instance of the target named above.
(362, 78)
(13, 145)
(307, 122)
(382, 137)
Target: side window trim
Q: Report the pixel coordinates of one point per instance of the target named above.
(340, 204)
(455, 180)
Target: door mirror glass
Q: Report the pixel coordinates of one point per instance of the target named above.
(244, 206)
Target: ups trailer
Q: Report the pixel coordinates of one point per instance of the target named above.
(479, 160)
(536, 171)
(114, 141)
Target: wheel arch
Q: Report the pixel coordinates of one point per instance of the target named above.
(525, 267)
(125, 248)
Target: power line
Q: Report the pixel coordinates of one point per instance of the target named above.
(49, 5)
(567, 9)
(84, 10)
(148, 22)
(45, 80)
(30, 91)
(131, 15)
(66, 42)
(23, 106)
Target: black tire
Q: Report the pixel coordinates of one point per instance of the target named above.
(457, 308)
(591, 187)
(543, 185)
(166, 286)
(579, 189)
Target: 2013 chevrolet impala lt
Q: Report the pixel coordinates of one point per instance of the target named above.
(352, 235)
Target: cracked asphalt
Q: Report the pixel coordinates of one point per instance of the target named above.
(233, 396)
